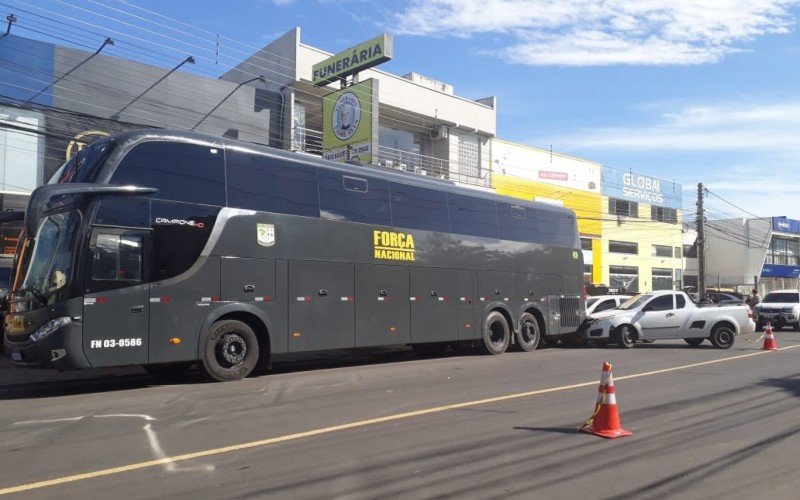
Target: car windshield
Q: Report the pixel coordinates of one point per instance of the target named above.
(782, 298)
(50, 262)
(635, 302)
(590, 301)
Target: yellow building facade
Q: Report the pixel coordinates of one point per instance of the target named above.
(630, 224)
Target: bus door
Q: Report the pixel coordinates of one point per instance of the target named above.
(115, 304)
(321, 305)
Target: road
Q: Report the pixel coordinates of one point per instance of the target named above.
(706, 424)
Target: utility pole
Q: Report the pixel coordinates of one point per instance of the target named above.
(701, 243)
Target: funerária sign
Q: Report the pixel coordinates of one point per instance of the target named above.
(351, 61)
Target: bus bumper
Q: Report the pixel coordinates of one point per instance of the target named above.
(62, 350)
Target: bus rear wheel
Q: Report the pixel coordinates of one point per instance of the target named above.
(528, 336)
(496, 333)
(229, 351)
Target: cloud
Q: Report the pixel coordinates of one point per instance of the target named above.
(590, 33)
(282, 2)
(747, 152)
(740, 126)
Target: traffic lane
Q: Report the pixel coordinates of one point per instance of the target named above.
(725, 429)
(188, 418)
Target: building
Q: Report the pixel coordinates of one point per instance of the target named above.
(741, 253)
(642, 235)
(422, 125)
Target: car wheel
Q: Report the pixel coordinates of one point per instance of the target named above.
(496, 333)
(722, 336)
(528, 337)
(626, 336)
(229, 351)
(796, 327)
(694, 341)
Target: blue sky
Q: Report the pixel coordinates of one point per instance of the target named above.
(680, 89)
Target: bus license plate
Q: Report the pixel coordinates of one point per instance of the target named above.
(16, 355)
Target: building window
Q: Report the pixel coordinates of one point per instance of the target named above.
(587, 274)
(662, 279)
(622, 207)
(299, 125)
(624, 277)
(784, 251)
(664, 214)
(678, 279)
(469, 158)
(586, 244)
(690, 281)
(662, 251)
(690, 251)
(677, 253)
(623, 247)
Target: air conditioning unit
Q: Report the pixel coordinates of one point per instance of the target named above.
(440, 131)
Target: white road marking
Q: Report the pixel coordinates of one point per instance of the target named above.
(51, 421)
(127, 415)
(169, 464)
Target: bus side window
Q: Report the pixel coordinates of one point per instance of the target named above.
(515, 228)
(343, 197)
(184, 172)
(259, 182)
(116, 259)
(180, 232)
(472, 216)
(419, 208)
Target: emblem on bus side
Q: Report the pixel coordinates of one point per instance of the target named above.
(265, 234)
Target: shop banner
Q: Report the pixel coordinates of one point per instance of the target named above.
(349, 123)
(780, 271)
(542, 166)
(784, 225)
(351, 61)
(641, 188)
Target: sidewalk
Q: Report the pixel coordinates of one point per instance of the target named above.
(12, 375)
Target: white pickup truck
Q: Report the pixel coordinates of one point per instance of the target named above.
(781, 308)
(668, 315)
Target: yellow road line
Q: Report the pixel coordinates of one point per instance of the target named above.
(352, 425)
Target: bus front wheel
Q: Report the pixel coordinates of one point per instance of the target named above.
(229, 351)
(496, 333)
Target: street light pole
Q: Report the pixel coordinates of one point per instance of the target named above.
(189, 60)
(261, 79)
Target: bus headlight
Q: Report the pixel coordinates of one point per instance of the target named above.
(49, 327)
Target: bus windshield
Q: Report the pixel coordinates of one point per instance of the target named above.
(84, 165)
(50, 262)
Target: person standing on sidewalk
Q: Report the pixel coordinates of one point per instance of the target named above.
(753, 299)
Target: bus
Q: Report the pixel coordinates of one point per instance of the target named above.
(169, 248)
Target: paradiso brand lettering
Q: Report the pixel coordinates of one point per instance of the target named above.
(390, 245)
(179, 222)
(642, 188)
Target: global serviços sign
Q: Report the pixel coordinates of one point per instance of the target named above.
(631, 186)
(784, 225)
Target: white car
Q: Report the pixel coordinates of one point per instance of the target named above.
(602, 303)
(781, 308)
(668, 315)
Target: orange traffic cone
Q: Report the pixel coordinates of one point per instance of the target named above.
(605, 421)
(769, 339)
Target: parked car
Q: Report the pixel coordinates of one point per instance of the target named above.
(669, 315)
(726, 298)
(781, 308)
(604, 303)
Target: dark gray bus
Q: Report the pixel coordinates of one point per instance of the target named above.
(162, 249)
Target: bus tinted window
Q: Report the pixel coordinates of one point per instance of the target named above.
(125, 212)
(472, 216)
(343, 197)
(272, 185)
(517, 223)
(177, 222)
(180, 171)
(419, 208)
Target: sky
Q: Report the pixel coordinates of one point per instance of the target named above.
(687, 90)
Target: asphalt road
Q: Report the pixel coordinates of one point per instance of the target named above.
(706, 424)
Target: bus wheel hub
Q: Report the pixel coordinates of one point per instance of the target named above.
(231, 349)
